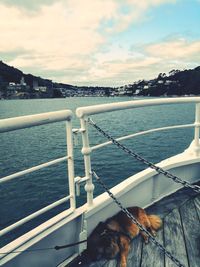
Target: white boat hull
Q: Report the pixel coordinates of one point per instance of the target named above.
(142, 189)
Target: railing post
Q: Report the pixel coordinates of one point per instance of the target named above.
(70, 163)
(86, 150)
(194, 148)
(195, 145)
(197, 124)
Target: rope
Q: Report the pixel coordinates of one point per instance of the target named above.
(43, 249)
(70, 245)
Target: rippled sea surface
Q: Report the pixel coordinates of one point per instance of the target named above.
(29, 147)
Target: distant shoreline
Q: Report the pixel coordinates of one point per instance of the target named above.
(92, 96)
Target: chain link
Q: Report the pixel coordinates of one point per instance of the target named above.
(175, 178)
(139, 225)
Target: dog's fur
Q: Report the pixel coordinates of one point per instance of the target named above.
(113, 237)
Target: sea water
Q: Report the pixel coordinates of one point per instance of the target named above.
(29, 147)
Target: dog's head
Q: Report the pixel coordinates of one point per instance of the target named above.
(103, 243)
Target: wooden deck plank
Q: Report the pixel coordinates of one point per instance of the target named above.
(110, 263)
(174, 239)
(134, 257)
(197, 205)
(164, 206)
(98, 264)
(191, 227)
(181, 224)
(103, 263)
(151, 254)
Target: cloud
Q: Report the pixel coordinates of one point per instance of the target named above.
(71, 40)
(132, 12)
(9, 55)
(175, 49)
(122, 65)
(30, 6)
(55, 37)
(59, 31)
(70, 27)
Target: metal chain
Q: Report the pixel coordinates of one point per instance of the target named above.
(175, 178)
(139, 225)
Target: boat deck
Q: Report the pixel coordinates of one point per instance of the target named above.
(180, 235)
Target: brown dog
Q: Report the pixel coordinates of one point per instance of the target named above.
(113, 237)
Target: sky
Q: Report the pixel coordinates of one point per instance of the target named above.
(100, 42)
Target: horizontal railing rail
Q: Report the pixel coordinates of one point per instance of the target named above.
(143, 133)
(84, 112)
(33, 215)
(97, 109)
(32, 169)
(22, 122)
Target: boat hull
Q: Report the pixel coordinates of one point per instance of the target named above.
(141, 189)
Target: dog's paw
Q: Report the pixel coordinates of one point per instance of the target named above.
(123, 264)
(154, 233)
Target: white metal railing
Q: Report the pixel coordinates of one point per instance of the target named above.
(32, 169)
(96, 109)
(83, 113)
(34, 215)
(22, 122)
(143, 133)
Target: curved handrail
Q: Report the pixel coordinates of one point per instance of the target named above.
(33, 169)
(83, 112)
(22, 122)
(96, 109)
(34, 215)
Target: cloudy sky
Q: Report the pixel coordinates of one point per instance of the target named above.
(99, 42)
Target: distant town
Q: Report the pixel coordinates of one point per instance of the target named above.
(14, 84)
